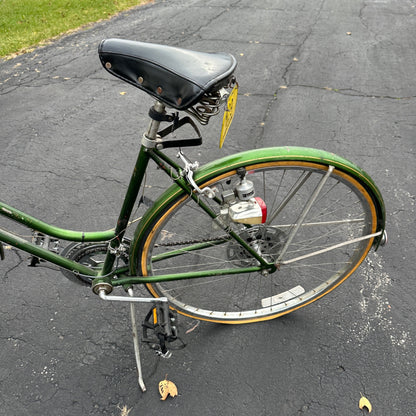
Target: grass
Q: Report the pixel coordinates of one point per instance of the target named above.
(26, 23)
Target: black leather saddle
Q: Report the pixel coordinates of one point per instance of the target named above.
(177, 77)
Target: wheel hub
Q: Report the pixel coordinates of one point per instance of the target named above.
(266, 241)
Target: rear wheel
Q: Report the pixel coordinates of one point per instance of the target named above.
(326, 248)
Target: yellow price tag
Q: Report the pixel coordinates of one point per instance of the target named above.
(228, 113)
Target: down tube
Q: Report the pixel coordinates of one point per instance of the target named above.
(42, 253)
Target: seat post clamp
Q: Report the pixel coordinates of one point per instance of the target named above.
(157, 116)
(152, 143)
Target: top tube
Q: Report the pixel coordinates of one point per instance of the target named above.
(61, 233)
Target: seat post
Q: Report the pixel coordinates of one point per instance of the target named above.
(151, 134)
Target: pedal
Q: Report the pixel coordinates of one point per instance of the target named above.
(160, 330)
(45, 241)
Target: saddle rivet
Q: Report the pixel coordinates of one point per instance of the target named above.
(159, 90)
(108, 65)
(140, 80)
(179, 101)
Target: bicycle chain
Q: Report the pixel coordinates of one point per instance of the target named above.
(205, 240)
(187, 242)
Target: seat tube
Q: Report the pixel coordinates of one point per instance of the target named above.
(133, 190)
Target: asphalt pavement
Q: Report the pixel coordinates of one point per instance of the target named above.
(337, 75)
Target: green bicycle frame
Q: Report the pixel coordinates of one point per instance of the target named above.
(180, 187)
(215, 168)
(113, 236)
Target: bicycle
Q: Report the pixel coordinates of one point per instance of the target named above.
(245, 238)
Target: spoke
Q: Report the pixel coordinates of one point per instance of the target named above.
(321, 266)
(345, 243)
(181, 251)
(277, 191)
(319, 223)
(292, 192)
(318, 229)
(305, 212)
(215, 265)
(336, 204)
(188, 229)
(197, 283)
(311, 243)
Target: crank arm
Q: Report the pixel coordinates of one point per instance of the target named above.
(104, 296)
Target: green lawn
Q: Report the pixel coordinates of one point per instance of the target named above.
(25, 23)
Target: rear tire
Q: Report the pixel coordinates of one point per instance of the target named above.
(343, 211)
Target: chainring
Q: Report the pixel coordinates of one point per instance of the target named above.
(91, 255)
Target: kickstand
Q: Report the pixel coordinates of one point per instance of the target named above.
(136, 341)
(166, 331)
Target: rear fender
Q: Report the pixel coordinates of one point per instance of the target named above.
(225, 164)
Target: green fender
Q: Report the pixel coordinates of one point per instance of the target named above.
(249, 157)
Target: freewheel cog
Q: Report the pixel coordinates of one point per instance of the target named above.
(267, 241)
